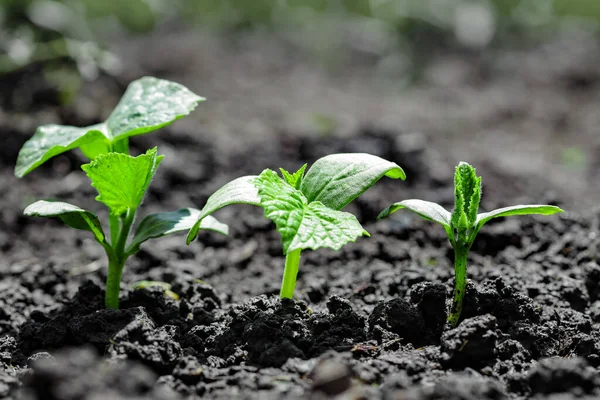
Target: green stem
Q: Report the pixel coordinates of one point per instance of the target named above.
(460, 285)
(113, 284)
(114, 224)
(116, 261)
(292, 261)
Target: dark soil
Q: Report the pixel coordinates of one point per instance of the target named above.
(367, 321)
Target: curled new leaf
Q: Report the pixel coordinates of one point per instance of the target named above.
(71, 215)
(337, 179)
(294, 179)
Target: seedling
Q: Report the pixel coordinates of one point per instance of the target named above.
(120, 179)
(463, 224)
(306, 209)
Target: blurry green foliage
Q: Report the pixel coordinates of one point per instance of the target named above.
(69, 33)
(574, 158)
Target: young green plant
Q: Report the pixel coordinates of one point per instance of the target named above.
(463, 224)
(306, 210)
(120, 179)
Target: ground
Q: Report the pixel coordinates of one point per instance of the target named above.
(368, 320)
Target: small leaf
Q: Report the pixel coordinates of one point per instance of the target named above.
(165, 223)
(294, 179)
(163, 285)
(122, 180)
(146, 284)
(71, 215)
(426, 209)
(529, 209)
(303, 225)
(337, 179)
(147, 105)
(52, 140)
(238, 191)
(150, 104)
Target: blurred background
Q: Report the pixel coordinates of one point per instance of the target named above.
(508, 85)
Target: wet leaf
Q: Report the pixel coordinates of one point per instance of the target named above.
(147, 105)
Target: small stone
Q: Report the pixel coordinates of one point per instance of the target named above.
(331, 376)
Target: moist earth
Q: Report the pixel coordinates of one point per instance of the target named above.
(368, 321)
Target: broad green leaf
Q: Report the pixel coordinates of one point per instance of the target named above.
(529, 209)
(426, 209)
(238, 191)
(71, 215)
(52, 140)
(165, 223)
(283, 204)
(337, 179)
(324, 227)
(294, 179)
(147, 105)
(303, 225)
(122, 180)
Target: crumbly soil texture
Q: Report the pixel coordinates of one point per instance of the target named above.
(368, 321)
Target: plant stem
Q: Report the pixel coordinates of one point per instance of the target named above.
(292, 261)
(127, 221)
(460, 285)
(114, 224)
(116, 261)
(113, 284)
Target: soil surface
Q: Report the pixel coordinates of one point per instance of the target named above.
(367, 321)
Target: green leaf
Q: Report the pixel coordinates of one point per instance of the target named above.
(122, 180)
(529, 209)
(150, 104)
(283, 204)
(238, 191)
(303, 225)
(52, 140)
(147, 105)
(71, 215)
(467, 194)
(165, 223)
(324, 227)
(426, 209)
(337, 179)
(294, 179)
